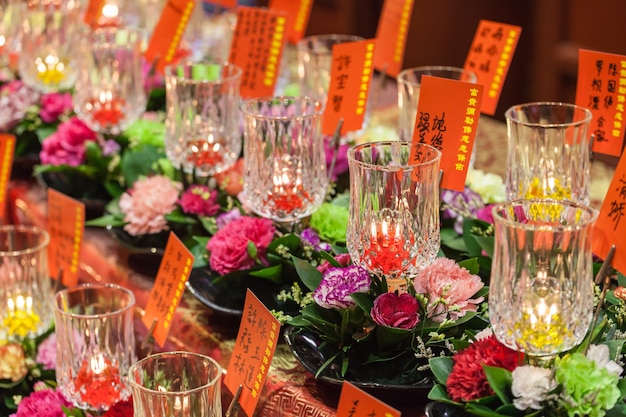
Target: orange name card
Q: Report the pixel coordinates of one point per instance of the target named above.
(168, 32)
(298, 12)
(93, 12)
(447, 118)
(66, 225)
(610, 228)
(391, 35)
(354, 402)
(350, 77)
(168, 289)
(257, 48)
(601, 88)
(253, 352)
(490, 56)
(7, 147)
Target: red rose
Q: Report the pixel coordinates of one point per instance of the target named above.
(400, 311)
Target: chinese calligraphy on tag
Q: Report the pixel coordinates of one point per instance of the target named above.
(391, 35)
(354, 402)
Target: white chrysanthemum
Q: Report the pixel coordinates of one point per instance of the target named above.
(601, 356)
(530, 386)
(490, 186)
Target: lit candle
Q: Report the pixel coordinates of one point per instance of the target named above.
(50, 70)
(386, 255)
(21, 319)
(287, 194)
(98, 381)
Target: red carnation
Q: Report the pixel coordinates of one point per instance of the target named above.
(121, 409)
(468, 381)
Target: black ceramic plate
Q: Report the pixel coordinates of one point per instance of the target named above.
(435, 409)
(200, 284)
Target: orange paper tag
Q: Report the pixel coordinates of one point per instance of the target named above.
(66, 225)
(168, 32)
(350, 77)
(257, 48)
(601, 88)
(297, 12)
(354, 402)
(93, 12)
(490, 56)
(168, 289)
(447, 118)
(393, 27)
(610, 228)
(7, 148)
(253, 352)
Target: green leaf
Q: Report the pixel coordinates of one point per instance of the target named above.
(325, 364)
(271, 273)
(451, 239)
(330, 258)
(209, 224)
(139, 162)
(177, 216)
(486, 243)
(309, 275)
(438, 393)
(106, 220)
(290, 241)
(500, 380)
(364, 301)
(471, 265)
(441, 366)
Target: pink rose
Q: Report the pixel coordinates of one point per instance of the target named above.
(54, 105)
(200, 200)
(66, 146)
(146, 204)
(399, 311)
(229, 246)
(445, 280)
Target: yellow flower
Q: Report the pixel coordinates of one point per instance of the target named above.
(12, 362)
(555, 191)
(21, 323)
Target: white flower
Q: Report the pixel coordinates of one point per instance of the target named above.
(600, 355)
(490, 186)
(530, 386)
(484, 333)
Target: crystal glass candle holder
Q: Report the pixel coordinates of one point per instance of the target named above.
(541, 288)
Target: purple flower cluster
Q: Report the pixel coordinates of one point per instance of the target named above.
(459, 205)
(311, 237)
(337, 285)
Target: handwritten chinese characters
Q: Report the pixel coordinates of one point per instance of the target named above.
(7, 147)
(490, 57)
(298, 12)
(168, 288)
(350, 77)
(355, 402)
(253, 352)
(601, 88)
(168, 32)
(257, 48)
(66, 225)
(447, 116)
(391, 35)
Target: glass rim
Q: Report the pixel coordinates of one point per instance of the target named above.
(401, 77)
(177, 353)
(317, 112)
(170, 71)
(508, 114)
(34, 230)
(497, 217)
(403, 167)
(80, 287)
(325, 38)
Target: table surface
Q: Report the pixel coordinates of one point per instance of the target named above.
(290, 390)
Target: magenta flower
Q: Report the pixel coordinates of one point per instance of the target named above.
(450, 289)
(229, 246)
(337, 285)
(399, 311)
(66, 146)
(146, 204)
(200, 200)
(485, 213)
(47, 352)
(53, 105)
(44, 403)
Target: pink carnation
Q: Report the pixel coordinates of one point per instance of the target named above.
(445, 279)
(15, 99)
(146, 204)
(66, 146)
(393, 310)
(229, 246)
(47, 352)
(44, 403)
(199, 199)
(54, 105)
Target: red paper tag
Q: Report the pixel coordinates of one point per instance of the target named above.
(610, 228)
(354, 402)
(391, 35)
(350, 76)
(168, 289)
(297, 12)
(447, 118)
(93, 12)
(601, 88)
(254, 349)
(66, 225)
(7, 148)
(490, 57)
(257, 48)
(168, 32)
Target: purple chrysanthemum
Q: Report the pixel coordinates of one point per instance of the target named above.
(337, 285)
